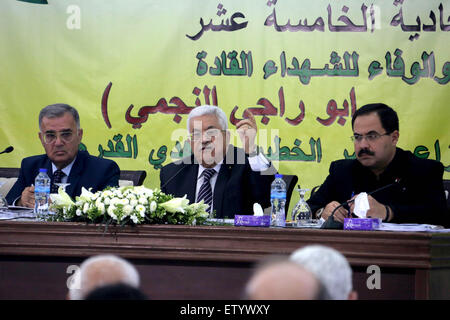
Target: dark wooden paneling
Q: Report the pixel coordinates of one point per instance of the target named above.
(203, 262)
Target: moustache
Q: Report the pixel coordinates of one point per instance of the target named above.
(365, 151)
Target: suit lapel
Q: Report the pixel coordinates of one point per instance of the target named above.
(184, 180)
(75, 175)
(220, 188)
(190, 182)
(48, 166)
(222, 180)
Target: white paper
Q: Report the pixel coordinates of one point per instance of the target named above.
(361, 205)
(411, 227)
(257, 210)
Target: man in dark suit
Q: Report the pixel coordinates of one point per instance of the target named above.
(60, 135)
(227, 178)
(417, 197)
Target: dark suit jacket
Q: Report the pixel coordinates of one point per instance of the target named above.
(237, 186)
(87, 171)
(418, 198)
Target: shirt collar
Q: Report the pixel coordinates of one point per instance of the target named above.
(202, 168)
(66, 169)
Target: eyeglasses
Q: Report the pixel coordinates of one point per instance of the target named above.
(210, 133)
(64, 136)
(371, 137)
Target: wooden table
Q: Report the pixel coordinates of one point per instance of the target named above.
(213, 262)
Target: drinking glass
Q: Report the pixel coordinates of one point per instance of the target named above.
(63, 185)
(301, 214)
(3, 202)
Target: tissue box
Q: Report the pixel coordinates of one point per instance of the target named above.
(252, 221)
(361, 224)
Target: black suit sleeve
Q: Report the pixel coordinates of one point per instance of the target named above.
(328, 191)
(112, 175)
(426, 197)
(259, 190)
(19, 186)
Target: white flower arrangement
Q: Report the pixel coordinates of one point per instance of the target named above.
(127, 205)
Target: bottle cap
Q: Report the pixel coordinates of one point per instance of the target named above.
(43, 170)
(278, 175)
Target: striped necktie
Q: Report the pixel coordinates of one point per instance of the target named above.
(205, 192)
(57, 178)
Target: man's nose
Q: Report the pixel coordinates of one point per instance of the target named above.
(206, 137)
(58, 140)
(363, 143)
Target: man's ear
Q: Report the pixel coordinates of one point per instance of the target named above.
(395, 136)
(41, 137)
(80, 133)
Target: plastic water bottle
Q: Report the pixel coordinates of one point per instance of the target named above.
(278, 200)
(41, 194)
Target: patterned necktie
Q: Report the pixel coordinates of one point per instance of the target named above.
(205, 192)
(57, 178)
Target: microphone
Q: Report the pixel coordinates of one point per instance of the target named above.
(8, 150)
(333, 224)
(173, 176)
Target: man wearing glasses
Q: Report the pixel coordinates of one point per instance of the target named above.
(60, 135)
(229, 179)
(417, 197)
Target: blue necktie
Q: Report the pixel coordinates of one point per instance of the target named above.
(205, 192)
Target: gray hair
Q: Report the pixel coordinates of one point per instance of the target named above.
(99, 271)
(205, 110)
(329, 266)
(58, 110)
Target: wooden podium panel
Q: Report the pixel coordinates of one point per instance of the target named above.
(213, 262)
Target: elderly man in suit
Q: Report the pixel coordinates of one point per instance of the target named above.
(60, 135)
(227, 178)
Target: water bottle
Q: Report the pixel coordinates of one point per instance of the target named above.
(278, 200)
(41, 194)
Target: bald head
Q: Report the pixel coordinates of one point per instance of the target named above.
(283, 280)
(102, 270)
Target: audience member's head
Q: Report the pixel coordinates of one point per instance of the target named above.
(118, 291)
(100, 271)
(284, 280)
(330, 267)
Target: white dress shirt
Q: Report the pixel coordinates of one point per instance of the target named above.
(257, 163)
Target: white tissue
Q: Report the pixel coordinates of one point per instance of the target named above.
(361, 205)
(257, 209)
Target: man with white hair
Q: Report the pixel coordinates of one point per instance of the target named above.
(330, 267)
(99, 271)
(284, 280)
(229, 179)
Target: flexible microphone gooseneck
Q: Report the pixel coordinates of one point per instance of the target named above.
(173, 176)
(333, 224)
(8, 150)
